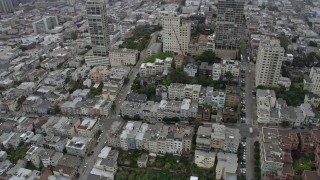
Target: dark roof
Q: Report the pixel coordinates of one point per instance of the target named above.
(135, 97)
(109, 163)
(310, 174)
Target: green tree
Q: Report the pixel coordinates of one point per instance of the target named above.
(160, 55)
(126, 80)
(256, 143)
(229, 76)
(208, 56)
(74, 35)
(284, 41)
(285, 124)
(64, 151)
(21, 100)
(197, 123)
(126, 117)
(312, 44)
(113, 106)
(136, 117)
(88, 47)
(167, 166)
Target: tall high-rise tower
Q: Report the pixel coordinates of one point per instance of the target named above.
(269, 62)
(176, 33)
(229, 22)
(6, 6)
(98, 27)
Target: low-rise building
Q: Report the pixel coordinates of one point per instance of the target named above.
(78, 146)
(132, 109)
(159, 67)
(142, 161)
(181, 91)
(266, 101)
(205, 69)
(156, 138)
(88, 127)
(215, 136)
(204, 159)
(213, 97)
(231, 66)
(190, 69)
(285, 82)
(271, 153)
(123, 57)
(227, 163)
(216, 71)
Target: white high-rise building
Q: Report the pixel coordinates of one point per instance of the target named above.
(98, 27)
(71, 2)
(312, 83)
(269, 61)
(45, 24)
(175, 31)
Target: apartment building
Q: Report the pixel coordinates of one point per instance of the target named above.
(107, 74)
(269, 62)
(127, 137)
(78, 146)
(216, 71)
(176, 33)
(227, 163)
(181, 91)
(312, 82)
(61, 126)
(113, 135)
(215, 136)
(182, 109)
(80, 73)
(123, 57)
(159, 67)
(6, 6)
(98, 27)
(228, 27)
(266, 101)
(213, 97)
(232, 140)
(131, 109)
(204, 159)
(191, 69)
(45, 24)
(97, 60)
(155, 138)
(88, 127)
(205, 69)
(231, 66)
(271, 153)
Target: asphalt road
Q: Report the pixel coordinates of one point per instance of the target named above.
(250, 114)
(89, 161)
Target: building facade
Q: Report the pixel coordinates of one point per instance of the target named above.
(98, 27)
(45, 24)
(269, 61)
(228, 27)
(176, 34)
(123, 57)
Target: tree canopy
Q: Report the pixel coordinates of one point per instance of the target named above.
(161, 55)
(74, 35)
(208, 56)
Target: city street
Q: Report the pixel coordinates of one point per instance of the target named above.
(89, 161)
(250, 113)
